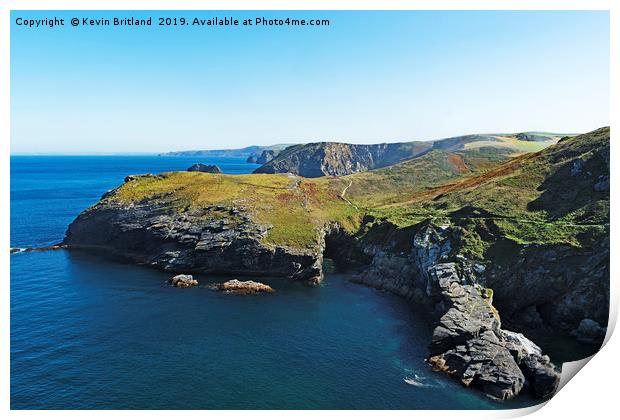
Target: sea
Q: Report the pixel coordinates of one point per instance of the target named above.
(92, 333)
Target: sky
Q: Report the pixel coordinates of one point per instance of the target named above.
(368, 77)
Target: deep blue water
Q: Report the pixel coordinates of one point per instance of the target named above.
(88, 333)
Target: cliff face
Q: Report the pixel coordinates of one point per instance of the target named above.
(215, 239)
(336, 159)
(266, 156)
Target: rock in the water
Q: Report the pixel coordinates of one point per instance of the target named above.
(542, 378)
(199, 167)
(589, 331)
(43, 248)
(251, 159)
(244, 287)
(183, 280)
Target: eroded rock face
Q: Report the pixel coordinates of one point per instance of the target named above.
(244, 287)
(183, 280)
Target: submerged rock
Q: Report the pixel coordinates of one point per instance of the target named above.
(183, 280)
(42, 248)
(244, 287)
(199, 167)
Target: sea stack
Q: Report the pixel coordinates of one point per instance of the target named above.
(200, 167)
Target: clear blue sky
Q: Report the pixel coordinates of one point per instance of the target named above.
(369, 77)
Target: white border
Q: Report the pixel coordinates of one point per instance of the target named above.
(592, 395)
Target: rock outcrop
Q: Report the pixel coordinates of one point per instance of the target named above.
(200, 167)
(469, 344)
(216, 239)
(237, 287)
(183, 280)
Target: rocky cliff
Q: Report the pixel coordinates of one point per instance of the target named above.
(213, 239)
(423, 265)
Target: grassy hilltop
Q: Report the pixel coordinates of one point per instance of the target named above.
(543, 197)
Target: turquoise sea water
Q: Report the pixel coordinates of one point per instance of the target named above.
(89, 333)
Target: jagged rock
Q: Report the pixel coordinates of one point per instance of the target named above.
(199, 167)
(520, 345)
(542, 377)
(589, 331)
(469, 343)
(183, 280)
(251, 159)
(244, 287)
(484, 363)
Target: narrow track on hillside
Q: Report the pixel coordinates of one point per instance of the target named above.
(344, 191)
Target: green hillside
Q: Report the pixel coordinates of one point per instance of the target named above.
(547, 196)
